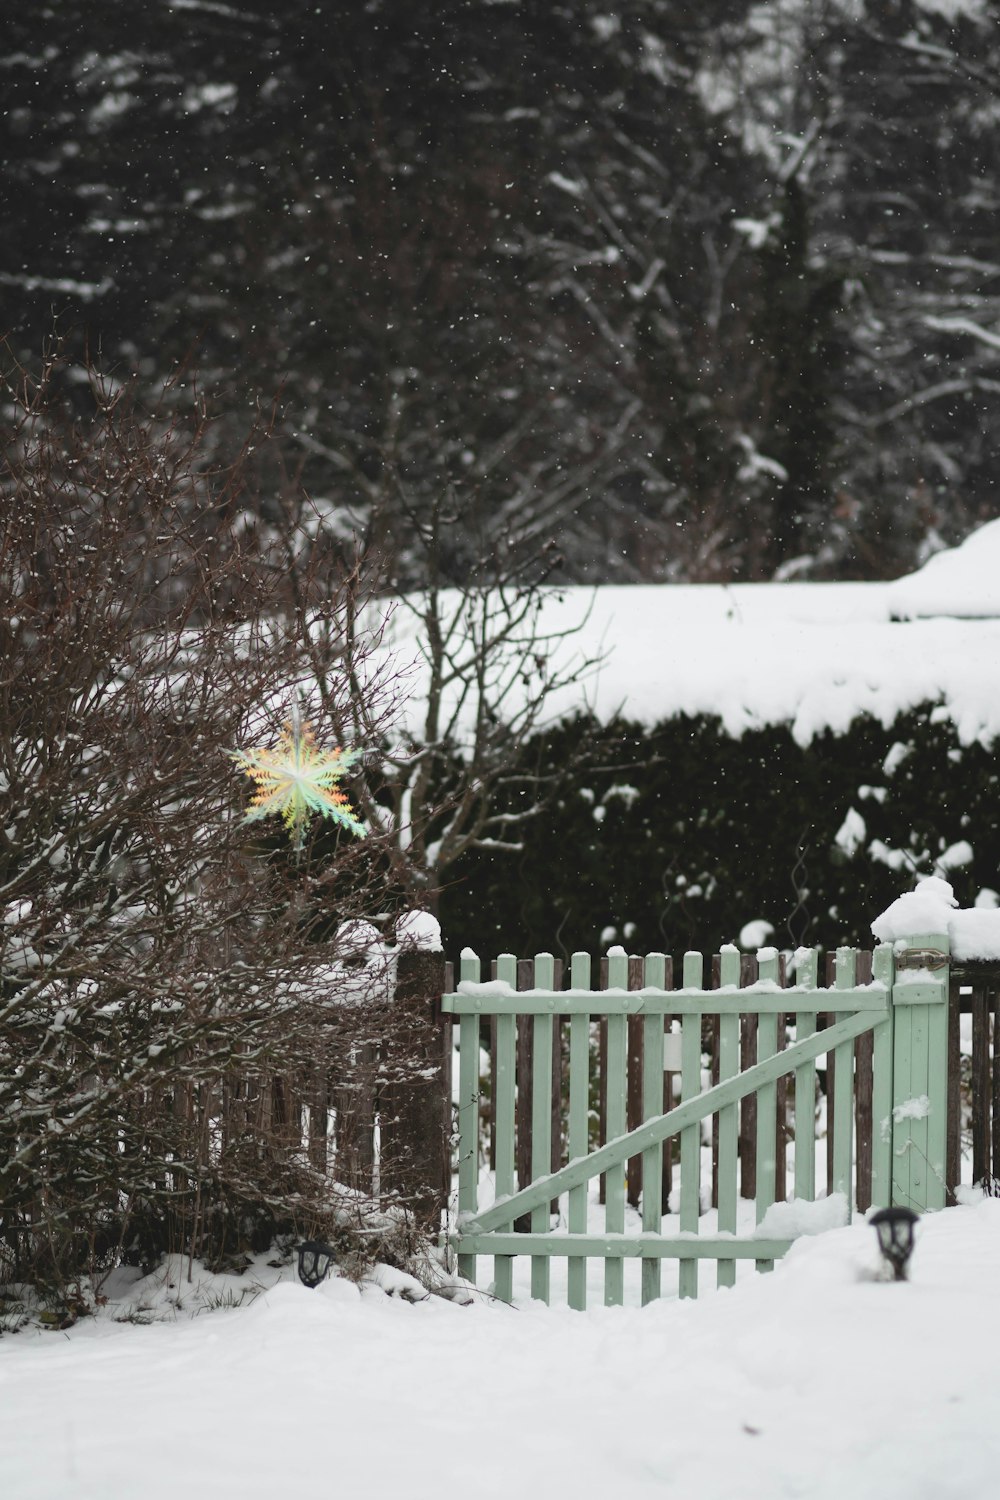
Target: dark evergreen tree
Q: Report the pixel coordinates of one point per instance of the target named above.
(700, 291)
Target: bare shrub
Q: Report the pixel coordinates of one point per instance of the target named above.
(175, 1003)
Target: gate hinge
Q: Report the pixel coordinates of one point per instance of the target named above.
(922, 958)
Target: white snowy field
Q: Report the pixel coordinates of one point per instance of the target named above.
(814, 1381)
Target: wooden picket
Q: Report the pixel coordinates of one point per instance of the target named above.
(764, 1038)
(974, 1099)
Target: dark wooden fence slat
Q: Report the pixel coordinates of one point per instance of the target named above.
(602, 1080)
(492, 1038)
(636, 975)
(712, 1042)
(559, 1122)
(781, 1121)
(864, 1054)
(448, 1094)
(953, 1144)
(981, 1084)
(493, 1077)
(748, 1109)
(827, 1079)
(523, 1074)
(415, 1132)
(996, 1084)
(560, 1099)
(668, 1101)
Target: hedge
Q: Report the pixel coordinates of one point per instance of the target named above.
(678, 835)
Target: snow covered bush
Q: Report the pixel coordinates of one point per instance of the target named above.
(675, 835)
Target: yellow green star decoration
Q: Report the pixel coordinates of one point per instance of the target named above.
(296, 779)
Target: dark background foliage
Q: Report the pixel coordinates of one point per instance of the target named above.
(679, 835)
(704, 291)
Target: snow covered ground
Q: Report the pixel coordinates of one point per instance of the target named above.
(814, 1381)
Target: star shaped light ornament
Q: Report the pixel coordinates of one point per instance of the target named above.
(298, 778)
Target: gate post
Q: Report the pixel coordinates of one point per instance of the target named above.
(918, 1124)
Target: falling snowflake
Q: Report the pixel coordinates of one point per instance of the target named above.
(298, 778)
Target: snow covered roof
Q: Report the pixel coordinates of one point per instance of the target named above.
(963, 581)
(812, 655)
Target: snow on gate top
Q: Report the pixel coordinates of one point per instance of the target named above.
(973, 933)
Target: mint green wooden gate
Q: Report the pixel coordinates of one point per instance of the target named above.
(904, 1007)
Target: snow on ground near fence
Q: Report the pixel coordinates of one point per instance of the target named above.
(785, 1219)
(815, 656)
(809, 1382)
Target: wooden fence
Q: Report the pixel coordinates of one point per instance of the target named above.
(387, 1135)
(974, 1075)
(391, 1133)
(881, 1121)
(749, 974)
(370, 1113)
(379, 1116)
(392, 1136)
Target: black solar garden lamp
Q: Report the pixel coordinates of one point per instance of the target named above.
(894, 1227)
(315, 1260)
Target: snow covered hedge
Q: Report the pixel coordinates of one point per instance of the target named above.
(679, 834)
